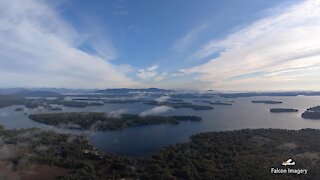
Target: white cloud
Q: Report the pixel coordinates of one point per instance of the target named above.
(156, 110)
(117, 113)
(162, 99)
(38, 49)
(148, 73)
(151, 76)
(260, 56)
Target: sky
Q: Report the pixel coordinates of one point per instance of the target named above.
(231, 45)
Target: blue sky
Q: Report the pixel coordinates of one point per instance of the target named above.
(144, 33)
(206, 44)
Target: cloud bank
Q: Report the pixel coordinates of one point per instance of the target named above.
(162, 99)
(156, 110)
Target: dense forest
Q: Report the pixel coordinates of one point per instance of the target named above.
(242, 154)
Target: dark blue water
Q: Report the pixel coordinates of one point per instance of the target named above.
(144, 140)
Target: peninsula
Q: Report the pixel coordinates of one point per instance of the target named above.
(104, 122)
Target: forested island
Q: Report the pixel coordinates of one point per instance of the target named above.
(266, 102)
(104, 122)
(241, 154)
(19, 109)
(312, 113)
(283, 110)
(220, 103)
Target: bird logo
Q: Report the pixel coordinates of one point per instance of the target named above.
(288, 162)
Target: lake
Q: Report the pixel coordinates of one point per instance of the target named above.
(139, 141)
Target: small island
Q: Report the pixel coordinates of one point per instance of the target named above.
(312, 113)
(19, 109)
(283, 110)
(104, 122)
(266, 102)
(220, 103)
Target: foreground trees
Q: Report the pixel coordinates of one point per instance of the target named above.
(243, 154)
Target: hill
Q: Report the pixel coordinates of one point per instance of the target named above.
(126, 90)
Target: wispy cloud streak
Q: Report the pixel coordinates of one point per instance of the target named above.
(38, 48)
(288, 41)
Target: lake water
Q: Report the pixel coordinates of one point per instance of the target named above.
(139, 141)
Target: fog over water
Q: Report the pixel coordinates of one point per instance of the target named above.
(138, 141)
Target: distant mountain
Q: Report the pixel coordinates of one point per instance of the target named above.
(252, 94)
(11, 91)
(127, 90)
(8, 91)
(29, 93)
(65, 90)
